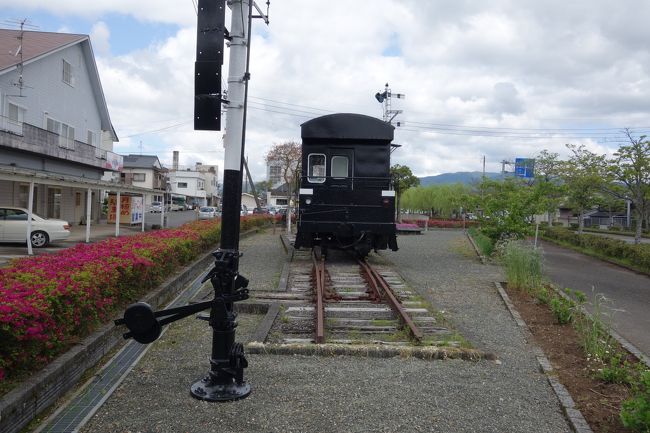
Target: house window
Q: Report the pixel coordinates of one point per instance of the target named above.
(16, 113)
(282, 202)
(65, 131)
(139, 177)
(67, 73)
(316, 168)
(275, 174)
(182, 184)
(339, 167)
(92, 138)
(23, 196)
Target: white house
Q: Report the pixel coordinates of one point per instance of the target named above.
(211, 177)
(145, 171)
(189, 183)
(56, 136)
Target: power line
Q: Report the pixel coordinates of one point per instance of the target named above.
(160, 129)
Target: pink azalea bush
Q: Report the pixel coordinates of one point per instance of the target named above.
(48, 301)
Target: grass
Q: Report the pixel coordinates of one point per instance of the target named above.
(484, 243)
(523, 266)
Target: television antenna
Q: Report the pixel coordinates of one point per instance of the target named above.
(24, 23)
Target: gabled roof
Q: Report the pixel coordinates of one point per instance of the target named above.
(36, 45)
(281, 190)
(141, 161)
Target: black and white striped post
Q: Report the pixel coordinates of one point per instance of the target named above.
(225, 380)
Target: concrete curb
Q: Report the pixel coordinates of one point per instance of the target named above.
(478, 252)
(576, 420)
(428, 353)
(44, 388)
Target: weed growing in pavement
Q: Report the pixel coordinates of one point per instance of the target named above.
(384, 322)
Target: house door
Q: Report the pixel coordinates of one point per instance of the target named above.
(79, 210)
(54, 203)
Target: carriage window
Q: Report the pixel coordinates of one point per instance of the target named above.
(339, 166)
(316, 168)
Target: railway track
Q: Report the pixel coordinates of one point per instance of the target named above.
(344, 300)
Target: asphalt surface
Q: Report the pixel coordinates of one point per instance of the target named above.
(353, 394)
(626, 293)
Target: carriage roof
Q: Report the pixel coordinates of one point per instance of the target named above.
(346, 126)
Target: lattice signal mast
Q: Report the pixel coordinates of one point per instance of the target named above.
(385, 99)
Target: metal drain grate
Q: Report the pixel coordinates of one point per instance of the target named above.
(83, 405)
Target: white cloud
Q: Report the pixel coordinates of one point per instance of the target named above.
(528, 68)
(100, 37)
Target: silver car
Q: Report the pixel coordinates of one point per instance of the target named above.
(13, 227)
(207, 212)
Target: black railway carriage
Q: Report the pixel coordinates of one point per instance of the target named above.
(346, 200)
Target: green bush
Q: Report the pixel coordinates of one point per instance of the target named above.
(635, 412)
(562, 309)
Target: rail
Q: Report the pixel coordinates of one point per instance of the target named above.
(375, 280)
(319, 278)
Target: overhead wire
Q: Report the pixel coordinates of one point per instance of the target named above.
(609, 134)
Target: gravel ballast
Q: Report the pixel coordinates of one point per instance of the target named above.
(353, 394)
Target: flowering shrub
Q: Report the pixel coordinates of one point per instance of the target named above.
(49, 300)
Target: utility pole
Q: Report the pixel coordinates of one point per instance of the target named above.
(225, 379)
(483, 166)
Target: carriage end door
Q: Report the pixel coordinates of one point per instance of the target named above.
(342, 169)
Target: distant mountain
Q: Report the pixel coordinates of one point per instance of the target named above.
(466, 177)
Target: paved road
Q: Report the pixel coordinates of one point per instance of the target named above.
(628, 293)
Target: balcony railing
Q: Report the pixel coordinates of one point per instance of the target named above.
(10, 125)
(26, 137)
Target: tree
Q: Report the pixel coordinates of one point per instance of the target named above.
(548, 169)
(630, 172)
(402, 179)
(508, 207)
(584, 175)
(289, 157)
(437, 200)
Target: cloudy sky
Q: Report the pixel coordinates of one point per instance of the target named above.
(499, 79)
